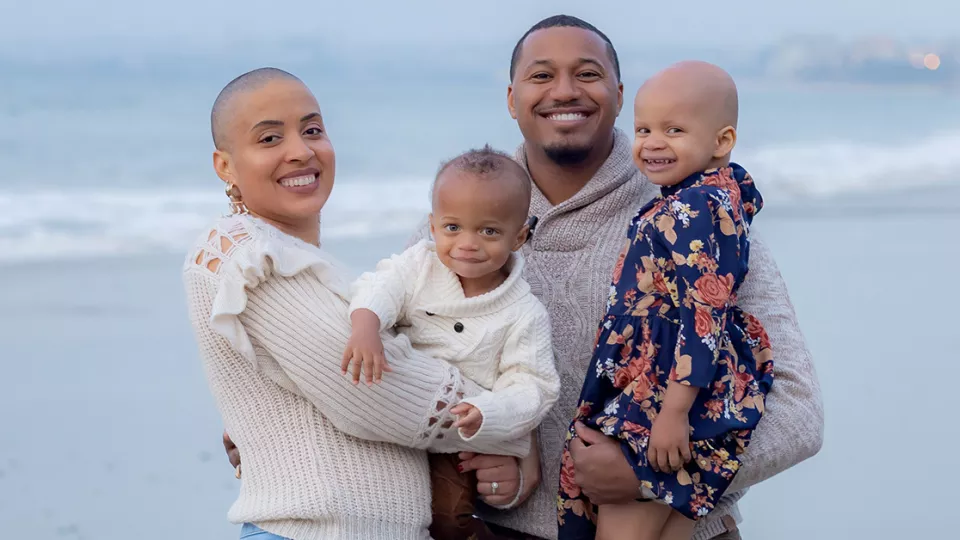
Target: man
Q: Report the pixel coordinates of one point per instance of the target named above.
(565, 94)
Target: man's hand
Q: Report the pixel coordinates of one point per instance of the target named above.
(602, 471)
(505, 471)
(669, 446)
(233, 453)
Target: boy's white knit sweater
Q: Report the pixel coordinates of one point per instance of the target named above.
(322, 458)
(500, 339)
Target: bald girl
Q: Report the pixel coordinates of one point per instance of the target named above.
(685, 120)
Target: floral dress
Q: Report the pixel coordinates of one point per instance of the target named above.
(671, 315)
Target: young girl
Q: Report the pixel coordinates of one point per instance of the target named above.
(679, 373)
(462, 298)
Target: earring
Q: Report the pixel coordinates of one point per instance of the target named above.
(237, 208)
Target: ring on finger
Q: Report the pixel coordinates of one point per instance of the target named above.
(494, 486)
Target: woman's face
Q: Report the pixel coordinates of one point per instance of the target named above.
(278, 154)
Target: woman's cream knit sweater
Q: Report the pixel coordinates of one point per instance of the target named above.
(322, 458)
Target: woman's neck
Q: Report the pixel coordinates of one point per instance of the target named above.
(307, 230)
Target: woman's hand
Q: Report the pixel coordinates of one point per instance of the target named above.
(504, 470)
(669, 446)
(507, 472)
(233, 453)
(364, 349)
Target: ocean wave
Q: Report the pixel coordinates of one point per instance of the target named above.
(48, 224)
(798, 172)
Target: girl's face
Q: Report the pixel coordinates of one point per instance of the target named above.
(676, 134)
(278, 154)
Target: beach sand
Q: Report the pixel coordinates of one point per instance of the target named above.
(110, 433)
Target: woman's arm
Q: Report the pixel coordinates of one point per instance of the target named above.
(303, 326)
(279, 304)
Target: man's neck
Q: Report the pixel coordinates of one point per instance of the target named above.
(561, 182)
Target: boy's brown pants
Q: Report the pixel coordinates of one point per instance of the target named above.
(454, 494)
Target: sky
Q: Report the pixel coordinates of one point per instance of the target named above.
(104, 27)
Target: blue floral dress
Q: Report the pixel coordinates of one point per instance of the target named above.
(671, 315)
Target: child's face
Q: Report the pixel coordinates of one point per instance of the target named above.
(475, 225)
(673, 136)
(278, 152)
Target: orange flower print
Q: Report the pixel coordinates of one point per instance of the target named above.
(704, 322)
(756, 331)
(741, 381)
(567, 477)
(714, 289)
(725, 181)
(618, 268)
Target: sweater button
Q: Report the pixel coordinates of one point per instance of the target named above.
(458, 327)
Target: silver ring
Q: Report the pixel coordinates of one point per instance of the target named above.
(494, 486)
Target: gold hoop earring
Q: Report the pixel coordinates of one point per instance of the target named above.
(237, 208)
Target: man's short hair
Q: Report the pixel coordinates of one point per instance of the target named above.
(564, 21)
(250, 80)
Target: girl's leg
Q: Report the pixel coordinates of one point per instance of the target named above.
(631, 521)
(678, 527)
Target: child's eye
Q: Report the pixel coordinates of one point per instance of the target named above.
(674, 130)
(489, 231)
(451, 227)
(643, 131)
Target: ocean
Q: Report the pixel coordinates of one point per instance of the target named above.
(109, 431)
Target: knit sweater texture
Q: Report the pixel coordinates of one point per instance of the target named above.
(499, 339)
(569, 265)
(322, 458)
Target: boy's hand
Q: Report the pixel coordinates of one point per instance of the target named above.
(470, 418)
(365, 349)
(669, 446)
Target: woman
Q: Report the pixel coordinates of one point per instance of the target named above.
(322, 458)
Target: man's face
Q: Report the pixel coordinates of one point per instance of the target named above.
(565, 94)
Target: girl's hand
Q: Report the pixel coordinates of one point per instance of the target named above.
(669, 446)
(470, 418)
(365, 353)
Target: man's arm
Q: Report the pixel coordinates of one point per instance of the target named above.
(791, 429)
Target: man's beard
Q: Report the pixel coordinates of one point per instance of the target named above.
(565, 156)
